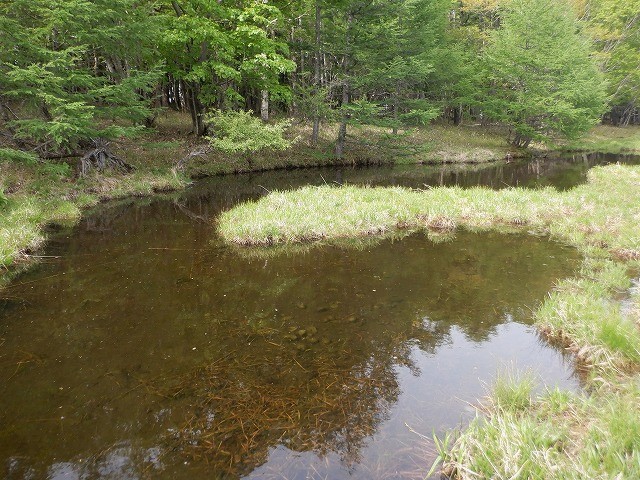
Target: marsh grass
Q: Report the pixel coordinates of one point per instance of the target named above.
(603, 213)
(512, 392)
(560, 435)
(556, 435)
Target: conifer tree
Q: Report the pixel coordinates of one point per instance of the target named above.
(539, 76)
(69, 68)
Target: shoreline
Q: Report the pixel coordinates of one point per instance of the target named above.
(40, 194)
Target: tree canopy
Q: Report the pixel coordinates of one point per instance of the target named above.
(74, 71)
(538, 74)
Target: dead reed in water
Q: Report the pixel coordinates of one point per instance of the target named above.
(242, 409)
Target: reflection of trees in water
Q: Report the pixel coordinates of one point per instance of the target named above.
(317, 403)
(208, 197)
(107, 218)
(122, 460)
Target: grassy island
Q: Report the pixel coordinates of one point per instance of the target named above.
(595, 434)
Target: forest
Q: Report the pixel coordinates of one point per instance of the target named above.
(77, 73)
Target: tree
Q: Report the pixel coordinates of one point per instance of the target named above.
(222, 51)
(65, 73)
(615, 27)
(539, 77)
(388, 54)
(401, 50)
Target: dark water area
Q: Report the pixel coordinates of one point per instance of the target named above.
(562, 173)
(143, 347)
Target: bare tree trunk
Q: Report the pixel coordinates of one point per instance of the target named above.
(315, 132)
(264, 106)
(457, 115)
(342, 130)
(395, 111)
(195, 107)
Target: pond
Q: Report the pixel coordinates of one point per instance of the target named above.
(143, 347)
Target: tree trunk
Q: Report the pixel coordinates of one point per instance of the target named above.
(395, 112)
(196, 109)
(264, 106)
(342, 130)
(342, 135)
(457, 115)
(315, 132)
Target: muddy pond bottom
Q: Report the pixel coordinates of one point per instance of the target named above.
(149, 350)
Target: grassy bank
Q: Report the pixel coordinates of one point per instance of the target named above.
(37, 195)
(594, 315)
(365, 146)
(607, 139)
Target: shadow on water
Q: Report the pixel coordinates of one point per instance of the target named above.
(147, 350)
(560, 172)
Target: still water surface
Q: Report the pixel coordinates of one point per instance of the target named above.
(148, 349)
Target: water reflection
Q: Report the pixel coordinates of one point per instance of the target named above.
(222, 359)
(149, 350)
(560, 172)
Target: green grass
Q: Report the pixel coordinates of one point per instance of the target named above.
(512, 393)
(557, 435)
(604, 213)
(608, 139)
(560, 435)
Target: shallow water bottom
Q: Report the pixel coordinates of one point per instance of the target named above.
(148, 351)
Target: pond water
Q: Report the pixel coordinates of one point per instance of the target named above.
(143, 347)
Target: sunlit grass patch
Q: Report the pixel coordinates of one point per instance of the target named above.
(21, 222)
(559, 435)
(601, 214)
(608, 139)
(512, 392)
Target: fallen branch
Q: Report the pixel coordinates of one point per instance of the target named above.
(196, 152)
